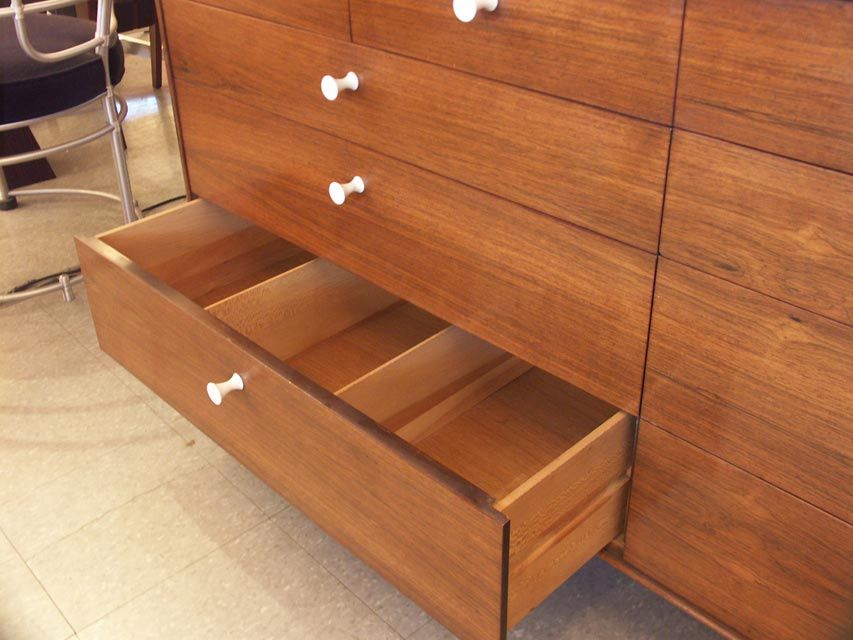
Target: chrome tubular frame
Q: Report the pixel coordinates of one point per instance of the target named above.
(114, 112)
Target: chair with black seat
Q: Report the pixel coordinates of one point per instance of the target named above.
(55, 65)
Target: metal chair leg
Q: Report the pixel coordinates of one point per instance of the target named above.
(7, 202)
(128, 206)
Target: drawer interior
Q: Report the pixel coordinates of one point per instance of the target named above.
(553, 458)
(204, 252)
(479, 411)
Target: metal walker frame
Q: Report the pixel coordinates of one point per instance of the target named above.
(114, 107)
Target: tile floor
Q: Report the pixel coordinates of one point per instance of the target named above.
(119, 520)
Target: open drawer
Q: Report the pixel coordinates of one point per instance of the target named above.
(472, 481)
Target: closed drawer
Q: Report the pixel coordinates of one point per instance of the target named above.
(329, 17)
(620, 55)
(755, 381)
(472, 481)
(775, 75)
(756, 558)
(567, 300)
(780, 227)
(599, 170)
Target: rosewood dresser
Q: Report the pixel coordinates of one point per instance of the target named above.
(489, 287)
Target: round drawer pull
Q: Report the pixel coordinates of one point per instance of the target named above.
(216, 391)
(338, 192)
(331, 87)
(466, 10)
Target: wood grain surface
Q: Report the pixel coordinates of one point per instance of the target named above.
(772, 74)
(329, 17)
(204, 252)
(564, 299)
(756, 381)
(568, 483)
(621, 55)
(442, 376)
(428, 532)
(173, 97)
(780, 227)
(600, 170)
(760, 560)
(301, 307)
(534, 577)
(353, 353)
(510, 437)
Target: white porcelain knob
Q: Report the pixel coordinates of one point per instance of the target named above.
(216, 391)
(466, 10)
(331, 87)
(338, 192)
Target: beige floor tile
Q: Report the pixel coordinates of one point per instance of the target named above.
(196, 438)
(159, 406)
(403, 615)
(38, 450)
(7, 551)
(259, 587)
(140, 544)
(60, 414)
(73, 316)
(252, 487)
(598, 602)
(35, 519)
(24, 327)
(26, 612)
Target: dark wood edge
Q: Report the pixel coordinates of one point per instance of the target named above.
(613, 555)
(173, 95)
(450, 480)
(505, 580)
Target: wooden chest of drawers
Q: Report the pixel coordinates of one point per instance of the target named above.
(431, 307)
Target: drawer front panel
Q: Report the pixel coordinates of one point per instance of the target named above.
(780, 227)
(599, 170)
(774, 380)
(754, 557)
(620, 55)
(430, 533)
(775, 75)
(329, 17)
(566, 300)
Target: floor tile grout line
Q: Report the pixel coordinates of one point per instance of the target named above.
(40, 584)
(181, 570)
(418, 630)
(178, 570)
(40, 304)
(113, 510)
(243, 493)
(341, 582)
(91, 462)
(98, 354)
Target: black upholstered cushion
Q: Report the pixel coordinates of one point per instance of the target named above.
(29, 89)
